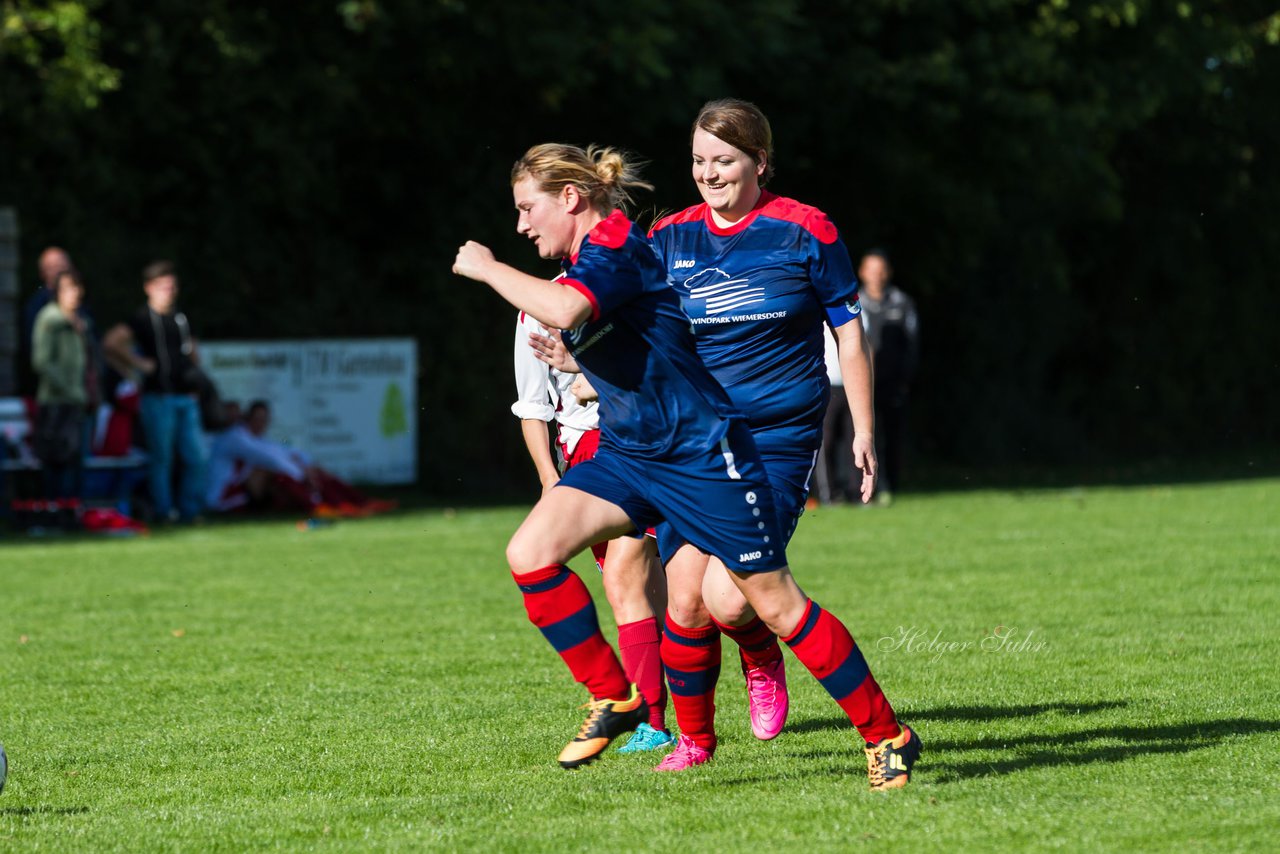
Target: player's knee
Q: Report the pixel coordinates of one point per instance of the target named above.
(781, 616)
(629, 606)
(526, 554)
(731, 612)
(621, 590)
(687, 608)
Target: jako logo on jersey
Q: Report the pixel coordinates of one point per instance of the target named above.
(747, 556)
(720, 293)
(683, 265)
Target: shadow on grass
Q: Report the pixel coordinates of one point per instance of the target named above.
(968, 713)
(986, 713)
(1194, 735)
(1079, 748)
(43, 810)
(1113, 743)
(1082, 747)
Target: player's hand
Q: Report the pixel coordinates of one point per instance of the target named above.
(549, 484)
(550, 348)
(864, 459)
(583, 390)
(472, 260)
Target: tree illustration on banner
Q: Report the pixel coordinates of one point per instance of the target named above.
(392, 418)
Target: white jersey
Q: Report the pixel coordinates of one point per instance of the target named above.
(234, 453)
(542, 392)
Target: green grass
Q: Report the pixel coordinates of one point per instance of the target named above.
(377, 686)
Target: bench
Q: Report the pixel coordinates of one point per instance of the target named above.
(107, 480)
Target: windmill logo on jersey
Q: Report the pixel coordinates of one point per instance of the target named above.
(721, 293)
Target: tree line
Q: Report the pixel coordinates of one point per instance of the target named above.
(1079, 195)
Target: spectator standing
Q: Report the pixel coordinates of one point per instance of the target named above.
(893, 328)
(53, 261)
(60, 360)
(158, 344)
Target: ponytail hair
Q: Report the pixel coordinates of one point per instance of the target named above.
(604, 176)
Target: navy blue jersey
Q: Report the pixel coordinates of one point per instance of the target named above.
(657, 399)
(757, 293)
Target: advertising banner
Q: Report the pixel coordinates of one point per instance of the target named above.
(350, 403)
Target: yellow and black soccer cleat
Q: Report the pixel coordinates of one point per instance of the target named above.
(607, 720)
(889, 762)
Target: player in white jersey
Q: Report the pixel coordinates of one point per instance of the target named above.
(543, 395)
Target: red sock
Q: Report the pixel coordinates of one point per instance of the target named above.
(598, 552)
(560, 605)
(757, 645)
(639, 645)
(824, 645)
(691, 658)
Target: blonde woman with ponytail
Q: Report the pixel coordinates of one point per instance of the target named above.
(634, 582)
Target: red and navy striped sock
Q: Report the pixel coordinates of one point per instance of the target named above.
(824, 645)
(757, 646)
(691, 658)
(560, 605)
(639, 645)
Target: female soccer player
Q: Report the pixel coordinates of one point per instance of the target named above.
(757, 274)
(673, 448)
(634, 583)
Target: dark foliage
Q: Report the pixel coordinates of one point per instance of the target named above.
(1080, 196)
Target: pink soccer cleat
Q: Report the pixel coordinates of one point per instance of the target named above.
(686, 755)
(767, 697)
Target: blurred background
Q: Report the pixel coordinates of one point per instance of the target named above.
(1081, 197)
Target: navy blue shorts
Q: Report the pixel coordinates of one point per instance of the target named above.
(789, 474)
(719, 500)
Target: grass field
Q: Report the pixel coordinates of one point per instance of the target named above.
(377, 686)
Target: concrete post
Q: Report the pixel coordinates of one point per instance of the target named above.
(9, 306)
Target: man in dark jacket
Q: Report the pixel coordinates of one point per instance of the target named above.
(158, 344)
(893, 329)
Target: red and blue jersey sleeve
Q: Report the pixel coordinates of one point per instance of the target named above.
(831, 272)
(603, 271)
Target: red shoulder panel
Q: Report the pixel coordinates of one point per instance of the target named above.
(612, 231)
(694, 214)
(807, 217)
